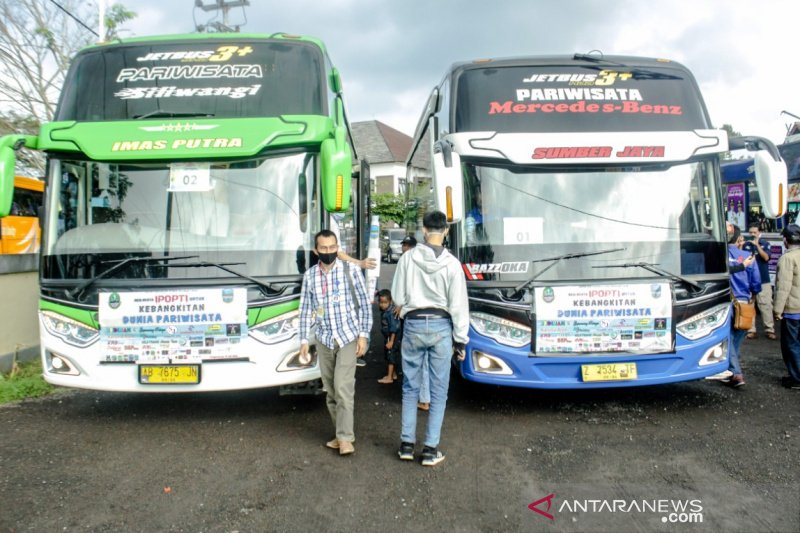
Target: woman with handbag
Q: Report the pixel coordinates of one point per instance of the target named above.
(745, 284)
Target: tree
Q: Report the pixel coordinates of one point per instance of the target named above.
(37, 42)
(389, 207)
(725, 156)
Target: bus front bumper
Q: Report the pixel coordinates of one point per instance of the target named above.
(492, 363)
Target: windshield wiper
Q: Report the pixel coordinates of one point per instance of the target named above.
(160, 113)
(556, 260)
(655, 269)
(120, 264)
(267, 289)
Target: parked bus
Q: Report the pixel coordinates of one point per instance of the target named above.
(585, 201)
(186, 178)
(19, 231)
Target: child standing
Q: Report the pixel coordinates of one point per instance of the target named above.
(390, 328)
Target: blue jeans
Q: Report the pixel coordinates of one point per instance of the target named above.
(425, 384)
(424, 339)
(790, 346)
(737, 337)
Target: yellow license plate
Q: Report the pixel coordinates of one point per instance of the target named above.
(178, 374)
(609, 372)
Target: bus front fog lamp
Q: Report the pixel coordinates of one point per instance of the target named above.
(69, 330)
(502, 330)
(704, 323)
(292, 361)
(58, 364)
(715, 354)
(489, 364)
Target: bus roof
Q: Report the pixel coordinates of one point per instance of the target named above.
(207, 37)
(563, 59)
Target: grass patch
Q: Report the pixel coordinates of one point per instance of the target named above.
(24, 381)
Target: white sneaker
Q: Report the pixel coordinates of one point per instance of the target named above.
(725, 374)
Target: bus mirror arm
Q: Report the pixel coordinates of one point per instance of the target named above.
(753, 143)
(446, 149)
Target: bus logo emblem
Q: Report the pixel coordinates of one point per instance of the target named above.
(655, 291)
(113, 300)
(548, 295)
(227, 295)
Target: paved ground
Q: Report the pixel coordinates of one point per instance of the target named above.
(618, 460)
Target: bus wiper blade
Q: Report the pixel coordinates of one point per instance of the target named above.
(558, 259)
(655, 269)
(267, 288)
(120, 264)
(160, 113)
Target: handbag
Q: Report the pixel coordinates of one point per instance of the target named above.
(744, 314)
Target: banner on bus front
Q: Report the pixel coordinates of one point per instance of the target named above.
(625, 318)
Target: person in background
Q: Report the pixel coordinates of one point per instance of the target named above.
(408, 243)
(390, 328)
(430, 288)
(787, 305)
(744, 284)
(759, 247)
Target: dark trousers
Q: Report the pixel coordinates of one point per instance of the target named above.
(790, 346)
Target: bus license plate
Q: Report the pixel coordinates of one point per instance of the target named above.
(609, 372)
(169, 374)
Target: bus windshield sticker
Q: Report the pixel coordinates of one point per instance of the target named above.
(523, 230)
(190, 177)
(222, 53)
(575, 99)
(138, 93)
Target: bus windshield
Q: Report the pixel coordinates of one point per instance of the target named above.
(254, 212)
(663, 215)
(266, 78)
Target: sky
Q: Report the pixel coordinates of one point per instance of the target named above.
(391, 53)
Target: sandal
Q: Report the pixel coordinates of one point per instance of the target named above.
(771, 336)
(752, 336)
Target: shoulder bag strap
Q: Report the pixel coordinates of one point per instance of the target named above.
(350, 284)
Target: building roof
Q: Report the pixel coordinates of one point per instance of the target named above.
(378, 143)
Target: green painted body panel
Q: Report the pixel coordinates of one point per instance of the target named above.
(255, 315)
(183, 139)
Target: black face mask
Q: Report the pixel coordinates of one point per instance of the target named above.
(327, 258)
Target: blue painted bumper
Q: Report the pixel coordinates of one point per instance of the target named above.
(564, 372)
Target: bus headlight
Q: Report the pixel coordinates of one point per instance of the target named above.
(278, 329)
(502, 330)
(701, 325)
(70, 331)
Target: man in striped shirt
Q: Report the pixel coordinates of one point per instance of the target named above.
(337, 295)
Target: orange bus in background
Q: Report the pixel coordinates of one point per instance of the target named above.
(19, 231)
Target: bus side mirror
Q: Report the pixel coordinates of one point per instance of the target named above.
(772, 184)
(7, 163)
(771, 173)
(447, 183)
(8, 159)
(336, 172)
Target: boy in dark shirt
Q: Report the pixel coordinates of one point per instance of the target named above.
(390, 328)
